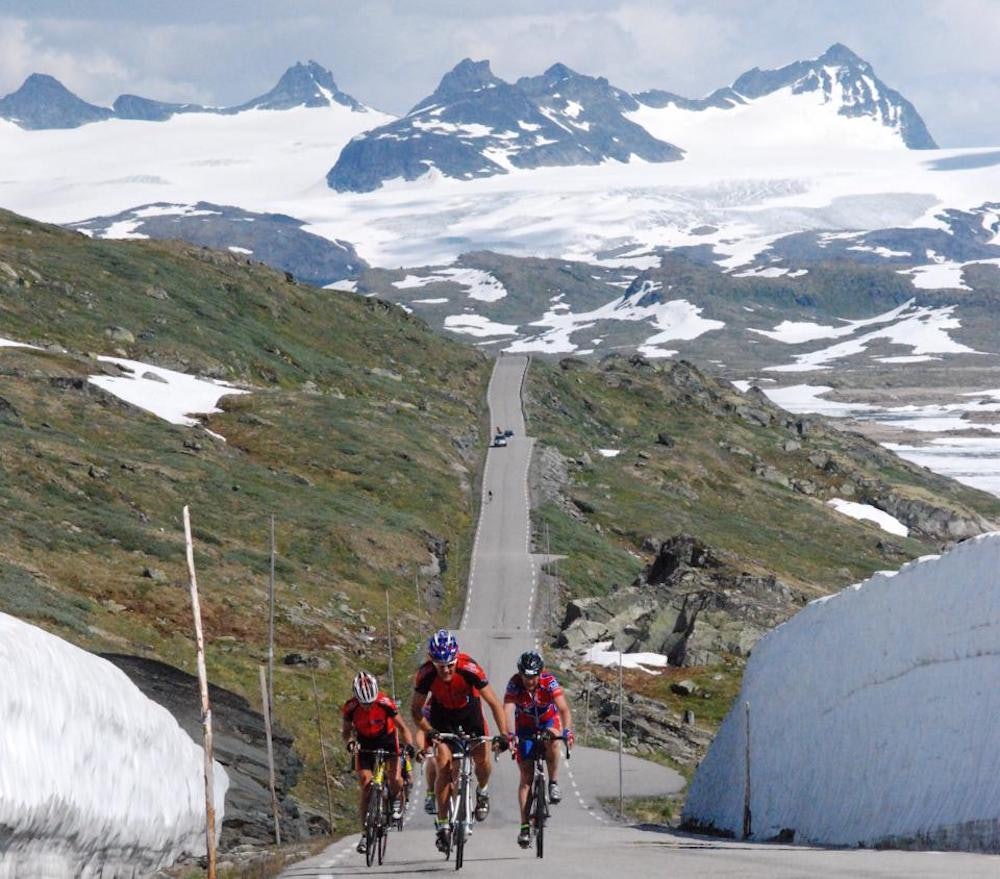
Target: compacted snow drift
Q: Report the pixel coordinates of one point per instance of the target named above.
(872, 716)
(95, 778)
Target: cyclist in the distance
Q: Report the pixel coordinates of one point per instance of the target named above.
(534, 700)
(459, 687)
(372, 721)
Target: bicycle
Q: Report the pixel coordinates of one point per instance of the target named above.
(404, 794)
(378, 815)
(460, 807)
(537, 806)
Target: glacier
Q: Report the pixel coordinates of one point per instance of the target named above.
(872, 715)
(95, 778)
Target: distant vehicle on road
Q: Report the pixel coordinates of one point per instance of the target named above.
(499, 441)
(508, 432)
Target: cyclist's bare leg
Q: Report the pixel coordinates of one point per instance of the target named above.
(526, 768)
(365, 783)
(394, 775)
(482, 763)
(442, 781)
(552, 750)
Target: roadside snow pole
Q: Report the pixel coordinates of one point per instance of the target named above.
(270, 755)
(206, 708)
(322, 751)
(746, 777)
(270, 629)
(621, 736)
(586, 717)
(388, 639)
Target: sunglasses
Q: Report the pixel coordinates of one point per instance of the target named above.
(444, 666)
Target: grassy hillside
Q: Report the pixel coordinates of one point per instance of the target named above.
(361, 436)
(720, 477)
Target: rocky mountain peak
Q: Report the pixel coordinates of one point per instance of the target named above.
(44, 102)
(838, 53)
(303, 85)
(466, 76)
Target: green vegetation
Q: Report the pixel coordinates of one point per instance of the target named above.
(361, 436)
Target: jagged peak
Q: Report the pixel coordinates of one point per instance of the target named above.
(838, 53)
(467, 76)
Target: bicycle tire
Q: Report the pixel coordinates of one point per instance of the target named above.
(541, 813)
(385, 816)
(460, 830)
(371, 825)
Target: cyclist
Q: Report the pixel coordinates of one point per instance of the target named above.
(534, 700)
(459, 687)
(424, 747)
(371, 720)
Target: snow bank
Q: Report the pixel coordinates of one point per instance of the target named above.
(599, 654)
(95, 778)
(869, 513)
(873, 715)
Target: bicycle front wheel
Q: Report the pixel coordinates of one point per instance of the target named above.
(541, 813)
(372, 825)
(385, 814)
(461, 829)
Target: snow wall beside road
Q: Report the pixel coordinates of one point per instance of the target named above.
(874, 715)
(95, 778)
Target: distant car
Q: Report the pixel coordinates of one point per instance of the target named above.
(508, 432)
(499, 440)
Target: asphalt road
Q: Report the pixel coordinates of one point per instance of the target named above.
(581, 839)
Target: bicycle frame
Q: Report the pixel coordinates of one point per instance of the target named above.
(537, 805)
(460, 808)
(378, 809)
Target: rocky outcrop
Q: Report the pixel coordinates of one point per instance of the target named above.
(692, 604)
(240, 746)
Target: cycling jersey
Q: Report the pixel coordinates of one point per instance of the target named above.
(372, 720)
(462, 691)
(534, 710)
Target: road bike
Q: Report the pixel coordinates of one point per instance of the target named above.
(537, 806)
(406, 769)
(378, 815)
(461, 805)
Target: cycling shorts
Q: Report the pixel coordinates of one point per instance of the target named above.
(526, 744)
(469, 719)
(388, 742)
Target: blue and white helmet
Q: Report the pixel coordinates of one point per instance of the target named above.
(442, 646)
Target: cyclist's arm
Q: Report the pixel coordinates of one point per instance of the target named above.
(489, 696)
(347, 730)
(565, 716)
(509, 711)
(417, 711)
(405, 727)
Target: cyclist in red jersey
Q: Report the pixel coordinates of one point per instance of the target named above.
(534, 700)
(459, 687)
(371, 721)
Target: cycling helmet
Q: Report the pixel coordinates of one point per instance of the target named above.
(365, 687)
(530, 662)
(442, 646)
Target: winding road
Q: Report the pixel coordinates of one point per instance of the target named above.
(581, 839)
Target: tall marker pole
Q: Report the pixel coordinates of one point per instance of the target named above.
(322, 750)
(270, 628)
(621, 715)
(388, 638)
(270, 756)
(206, 708)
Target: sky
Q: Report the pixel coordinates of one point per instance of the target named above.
(391, 53)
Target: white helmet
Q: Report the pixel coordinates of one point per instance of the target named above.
(365, 687)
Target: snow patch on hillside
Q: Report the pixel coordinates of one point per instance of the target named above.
(872, 714)
(479, 284)
(867, 512)
(94, 776)
(169, 395)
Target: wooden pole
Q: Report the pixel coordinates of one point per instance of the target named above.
(586, 719)
(322, 750)
(388, 638)
(621, 736)
(270, 629)
(746, 777)
(270, 755)
(206, 708)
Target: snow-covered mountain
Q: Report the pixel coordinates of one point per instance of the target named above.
(872, 716)
(275, 239)
(96, 777)
(838, 82)
(477, 125)
(43, 102)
